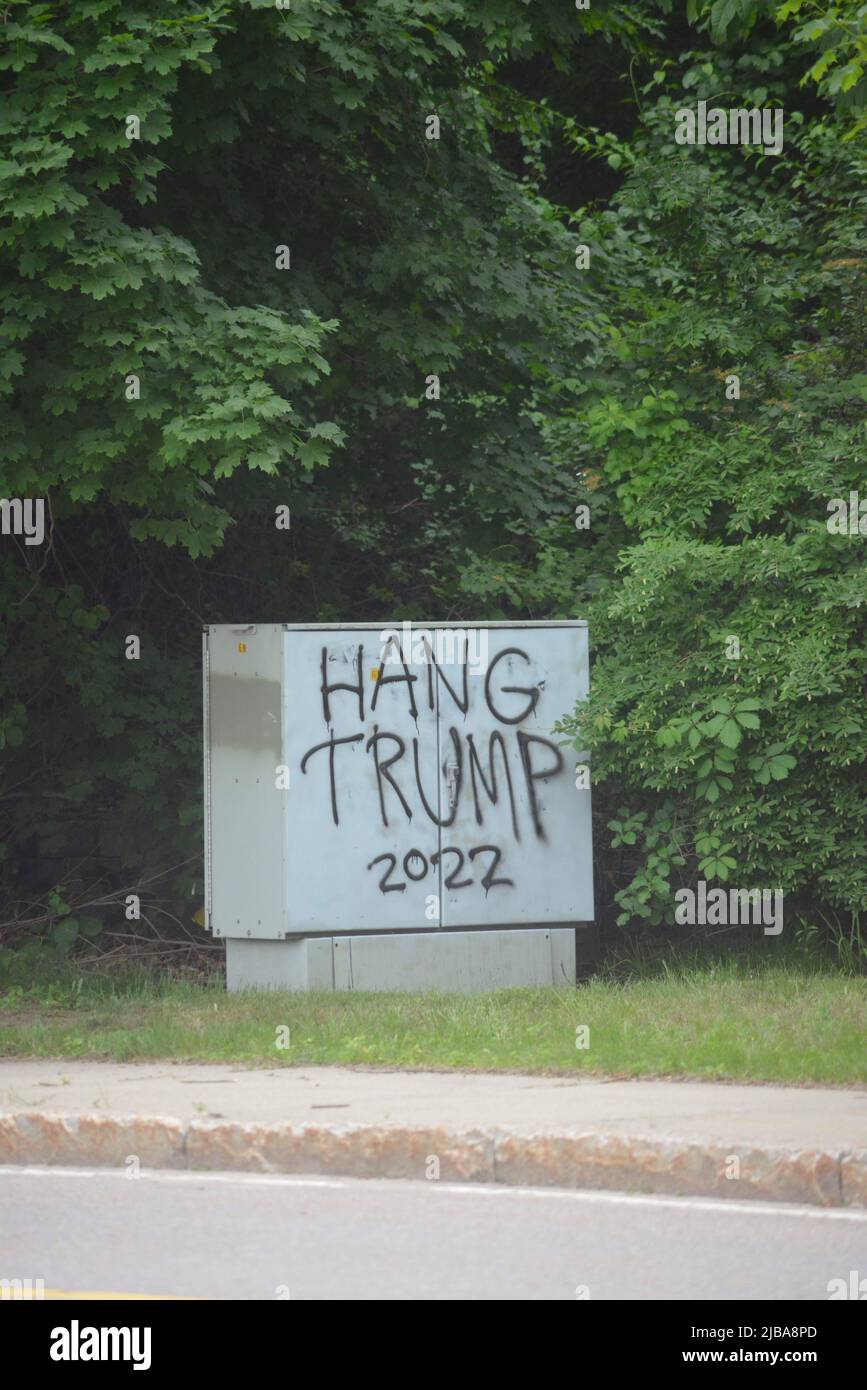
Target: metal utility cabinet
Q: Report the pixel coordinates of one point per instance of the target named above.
(390, 808)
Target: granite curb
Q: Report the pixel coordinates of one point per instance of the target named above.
(496, 1154)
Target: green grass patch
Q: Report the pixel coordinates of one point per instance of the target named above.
(749, 1017)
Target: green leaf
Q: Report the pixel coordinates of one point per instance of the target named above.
(748, 721)
(730, 734)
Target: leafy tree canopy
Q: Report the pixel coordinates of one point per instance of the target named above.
(234, 266)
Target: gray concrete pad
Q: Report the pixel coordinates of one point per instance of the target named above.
(800, 1117)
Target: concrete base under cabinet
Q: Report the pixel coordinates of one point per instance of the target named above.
(455, 962)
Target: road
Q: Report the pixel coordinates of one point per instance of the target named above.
(243, 1236)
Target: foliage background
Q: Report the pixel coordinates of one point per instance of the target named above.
(560, 386)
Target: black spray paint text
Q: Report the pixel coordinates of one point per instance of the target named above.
(487, 771)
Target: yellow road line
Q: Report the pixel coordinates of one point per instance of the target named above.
(100, 1294)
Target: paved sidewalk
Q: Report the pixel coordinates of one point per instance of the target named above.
(788, 1143)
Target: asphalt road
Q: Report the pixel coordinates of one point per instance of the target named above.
(242, 1236)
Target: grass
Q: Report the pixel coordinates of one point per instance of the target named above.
(753, 1017)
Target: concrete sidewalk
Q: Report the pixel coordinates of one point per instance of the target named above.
(765, 1142)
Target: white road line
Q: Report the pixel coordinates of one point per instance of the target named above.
(495, 1190)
